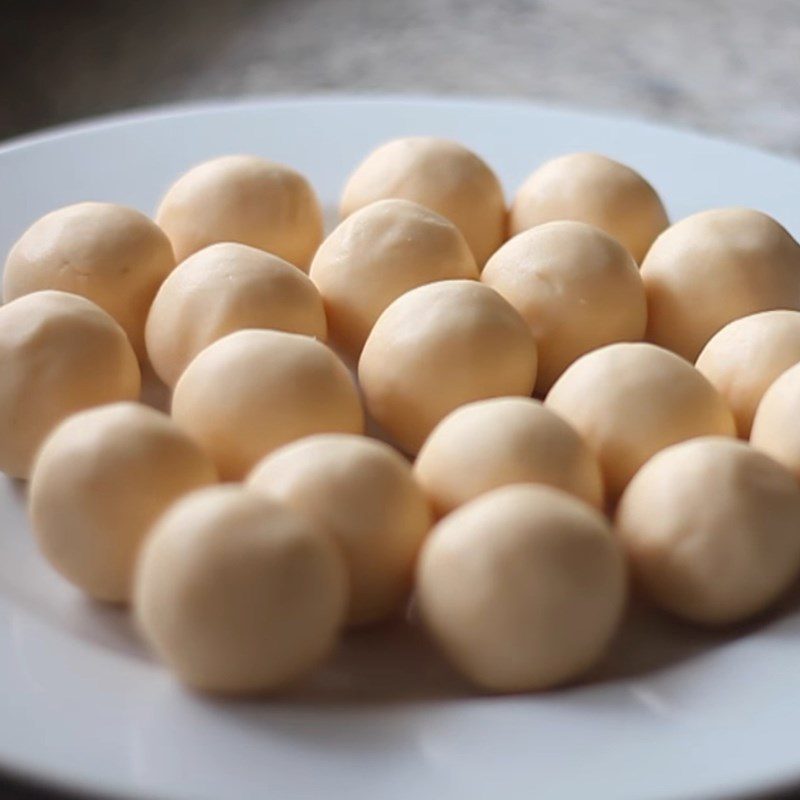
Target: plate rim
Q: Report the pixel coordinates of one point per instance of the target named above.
(179, 109)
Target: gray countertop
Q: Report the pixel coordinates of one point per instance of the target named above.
(731, 68)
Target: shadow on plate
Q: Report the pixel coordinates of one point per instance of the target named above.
(396, 663)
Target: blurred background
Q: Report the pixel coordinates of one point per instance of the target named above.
(728, 67)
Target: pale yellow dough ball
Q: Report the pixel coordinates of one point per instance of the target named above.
(378, 253)
(631, 400)
(238, 594)
(101, 479)
(440, 174)
(255, 390)
(576, 287)
(243, 199)
(522, 588)
(492, 443)
(362, 493)
(712, 268)
(112, 255)
(591, 188)
(59, 353)
(744, 358)
(776, 427)
(224, 288)
(712, 530)
(438, 347)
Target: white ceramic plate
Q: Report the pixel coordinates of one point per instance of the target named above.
(673, 713)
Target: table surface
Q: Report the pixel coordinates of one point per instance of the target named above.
(726, 67)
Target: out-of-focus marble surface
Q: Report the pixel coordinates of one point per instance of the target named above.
(729, 67)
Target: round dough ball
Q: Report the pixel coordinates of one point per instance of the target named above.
(101, 480)
(243, 199)
(113, 255)
(712, 530)
(588, 187)
(362, 493)
(575, 286)
(377, 254)
(631, 400)
(746, 356)
(224, 288)
(492, 443)
(237, 593)
(59, 353)
(255, 390)
(712, 268)
(522, 588)
(438, 347)
(442, 175)
(776, 427)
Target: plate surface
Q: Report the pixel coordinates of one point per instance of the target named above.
(673, 713)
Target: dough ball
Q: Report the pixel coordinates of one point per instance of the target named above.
(575, 286)
(378, 253)
(224, 288)
(712, 530)
(588, 187)
(101, 479)
(438, 347)
(112, 255)
(255, 390)
(237, 593)
(243, 199)
(59, 353)
(712, 268)
(522, 588)
(776, 427)
(631, 400)
(362, 493)
(492, 443)
(746, 356)
(442, 175)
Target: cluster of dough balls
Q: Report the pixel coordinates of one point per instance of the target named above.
(430, 317)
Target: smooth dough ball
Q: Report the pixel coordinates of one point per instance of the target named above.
(631, 400)
(712, 268)
(362, 493)
(112, 255)
(492, 443)
(101, 479)
(239, 594)
(746, 356)
(776, 427)
(224, 288)
(441, 175)
(522, 588)
(59, 353)
(575, 286)
(255, 390)
(243, 199)
(377, 254)
(712, 530)
(438, 347)
(591, 188)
